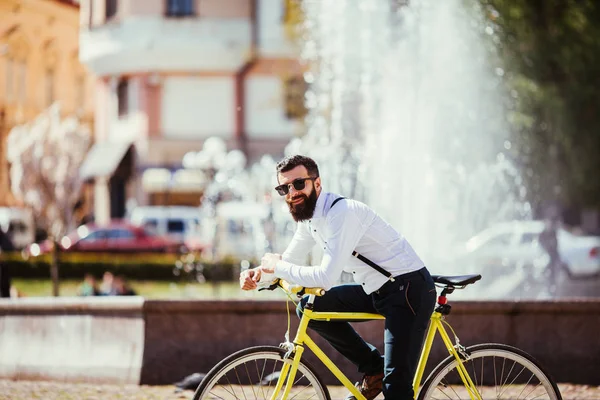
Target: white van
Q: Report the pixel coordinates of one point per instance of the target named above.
(177, 222)
(19, 224)
(237, 230)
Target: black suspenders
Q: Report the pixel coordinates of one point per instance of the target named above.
(335, 201)
(363, 258)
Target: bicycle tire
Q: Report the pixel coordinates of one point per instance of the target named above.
(489, 360)
(219, 382)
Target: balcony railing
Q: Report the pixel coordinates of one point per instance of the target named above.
(157, 43)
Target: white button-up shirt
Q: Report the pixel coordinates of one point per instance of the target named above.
(340, 230)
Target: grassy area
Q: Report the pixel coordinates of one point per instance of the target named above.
(152, 290)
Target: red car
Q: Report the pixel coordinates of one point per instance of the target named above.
(116, 237)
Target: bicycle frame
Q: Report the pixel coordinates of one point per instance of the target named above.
(302, 339)
(437, 325)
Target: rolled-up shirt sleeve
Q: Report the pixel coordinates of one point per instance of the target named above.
(345, 231)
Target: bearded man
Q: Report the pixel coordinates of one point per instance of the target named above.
(390, 279)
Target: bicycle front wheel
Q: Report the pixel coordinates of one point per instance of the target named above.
(252, 373)
(498, 371)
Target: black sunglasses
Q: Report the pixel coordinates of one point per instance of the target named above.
(299, 184)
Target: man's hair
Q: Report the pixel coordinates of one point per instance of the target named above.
(291, 162)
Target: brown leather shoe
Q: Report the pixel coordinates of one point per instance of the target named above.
(370, 387)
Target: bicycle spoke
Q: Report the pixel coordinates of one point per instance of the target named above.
(271, 374)
(239, 376)
(482, 380)
(301, 390)
(298, 394)
(240, 383)
(526, 386)
(532, 390)
(448, 386)
(232, 392)
(260, 376)
(501, 375)
(474, 378)
(495, 375)
(231, 385)
(505, 386)
(537, 397)
(249, 382)
(515, 378)
(497, 372)
(503, 382)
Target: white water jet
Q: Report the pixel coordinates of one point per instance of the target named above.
(407, 113)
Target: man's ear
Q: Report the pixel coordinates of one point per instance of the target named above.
(318, 183)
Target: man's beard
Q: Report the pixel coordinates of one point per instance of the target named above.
(305, 209)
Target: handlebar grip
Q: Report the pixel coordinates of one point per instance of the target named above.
(315, 291)
(300, 290)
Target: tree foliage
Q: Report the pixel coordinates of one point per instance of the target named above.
(552, 50)
(45, 156)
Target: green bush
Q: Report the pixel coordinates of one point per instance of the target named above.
(221, 271)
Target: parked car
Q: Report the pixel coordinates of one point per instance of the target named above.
(516, 244)
(116, 237)
(177, 222)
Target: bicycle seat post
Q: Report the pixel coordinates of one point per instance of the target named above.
(443, 306)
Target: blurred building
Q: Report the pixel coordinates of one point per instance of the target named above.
(39, 65)
(172, 73)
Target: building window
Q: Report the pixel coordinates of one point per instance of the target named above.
(180, 8)
(90, 13)
(295, 90)
(49, 86)
(80, 93)
(123, 97)
(22, 81)
(111, 9)
(10, 79)
(16, 80)
(18, 50)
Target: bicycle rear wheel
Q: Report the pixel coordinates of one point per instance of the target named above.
(252, 374)
(498, 371)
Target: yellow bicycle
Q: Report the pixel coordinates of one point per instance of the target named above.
(484, 371)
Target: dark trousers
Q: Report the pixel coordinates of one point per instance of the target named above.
(406, 303)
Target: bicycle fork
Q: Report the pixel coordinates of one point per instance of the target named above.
(288, 372)
(290, 367)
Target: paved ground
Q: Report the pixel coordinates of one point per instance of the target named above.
(28, 390)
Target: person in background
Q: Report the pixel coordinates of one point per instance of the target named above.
(107, 287)
(549, 241)
(6, 246)
(89, 286)
(122, 288)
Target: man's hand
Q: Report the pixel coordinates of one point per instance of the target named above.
(249, 278)
(268, 262)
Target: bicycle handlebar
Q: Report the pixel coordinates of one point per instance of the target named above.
(296, 289)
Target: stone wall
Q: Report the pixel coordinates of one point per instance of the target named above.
(187, 337)
(182, 337)
(72, 339)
